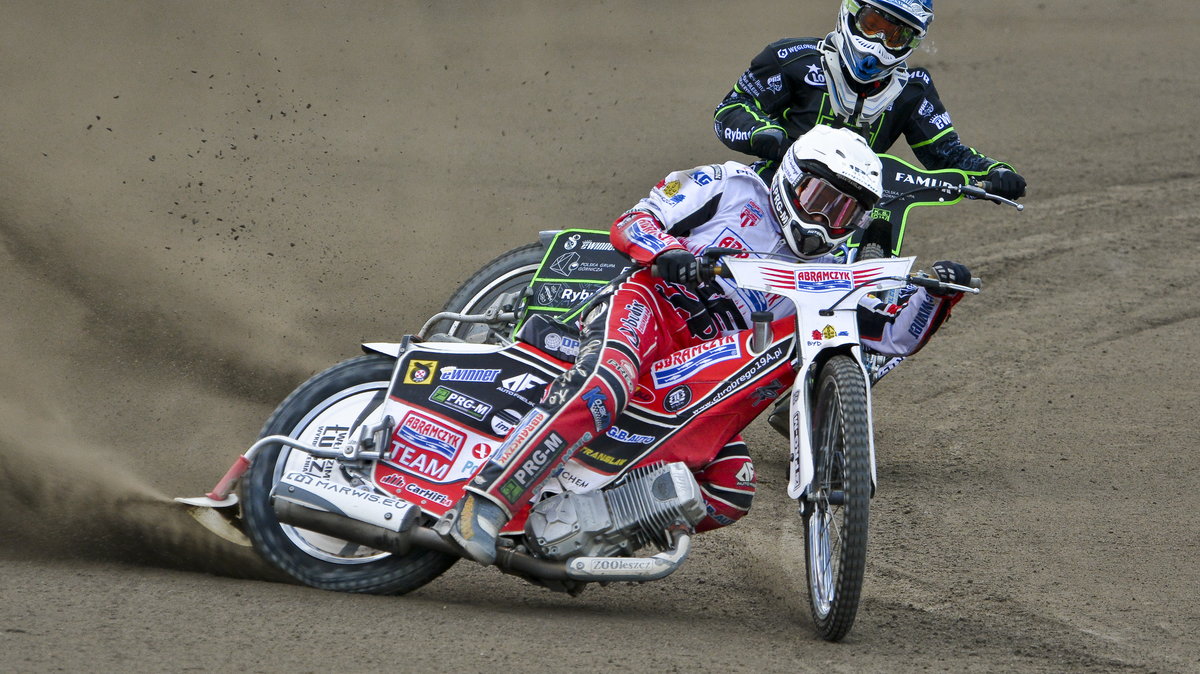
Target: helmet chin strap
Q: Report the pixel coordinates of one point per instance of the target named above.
(859, 102)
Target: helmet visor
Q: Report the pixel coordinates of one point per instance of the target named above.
(876, 24)
(837, 211)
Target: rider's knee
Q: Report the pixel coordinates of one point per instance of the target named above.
(728, 486)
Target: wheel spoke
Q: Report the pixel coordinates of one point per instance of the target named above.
(835, 513)
(349, 550)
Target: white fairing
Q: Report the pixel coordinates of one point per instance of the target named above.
(813, 288)
(392, 349)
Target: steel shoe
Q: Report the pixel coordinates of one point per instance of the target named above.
(474, 526)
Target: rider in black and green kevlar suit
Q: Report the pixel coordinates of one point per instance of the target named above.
(856, 76)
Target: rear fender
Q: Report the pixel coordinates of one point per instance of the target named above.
(393, 349)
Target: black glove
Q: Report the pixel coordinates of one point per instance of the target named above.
(950, 272)
(770, 144)
(1007, 183)
(677, 266)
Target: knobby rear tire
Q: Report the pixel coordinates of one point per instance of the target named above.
(870, 251)
(835, 511)
(311, 559)
(511, 271)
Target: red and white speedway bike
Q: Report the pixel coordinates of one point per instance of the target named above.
(356, 466)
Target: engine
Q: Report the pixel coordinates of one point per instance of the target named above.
(638, 511)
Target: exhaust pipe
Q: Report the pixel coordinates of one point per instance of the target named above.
(390, 524)
(508, 560)
(340, 526)
(401, 542)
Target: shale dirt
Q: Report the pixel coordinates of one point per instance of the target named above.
(201, 204)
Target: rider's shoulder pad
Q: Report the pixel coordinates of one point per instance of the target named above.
(919, 77)
(789, 49)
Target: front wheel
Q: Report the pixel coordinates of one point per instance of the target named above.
(322, 411)
(835, 507)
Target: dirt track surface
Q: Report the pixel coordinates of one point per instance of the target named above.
(203, 203)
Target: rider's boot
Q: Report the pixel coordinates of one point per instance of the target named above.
(475, 527)
(575, 405)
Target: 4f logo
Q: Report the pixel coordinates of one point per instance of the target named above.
(521, 382)
(745, 476)
(767, 393)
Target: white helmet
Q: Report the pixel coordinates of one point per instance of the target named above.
(874, 37)
(824, 190)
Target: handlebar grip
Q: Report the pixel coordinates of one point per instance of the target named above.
(931, 283)
(925, 282)
(708, 269)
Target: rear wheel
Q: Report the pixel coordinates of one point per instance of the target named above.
(835, 509)
(493, 287)
(870, 251)
(325, 408)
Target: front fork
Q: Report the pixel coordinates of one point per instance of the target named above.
(800, 421)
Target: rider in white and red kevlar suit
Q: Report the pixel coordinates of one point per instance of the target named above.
(648, 318)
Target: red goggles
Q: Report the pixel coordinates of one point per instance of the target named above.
(878, 25)
(818, 199)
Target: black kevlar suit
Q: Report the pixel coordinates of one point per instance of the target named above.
(785, 89)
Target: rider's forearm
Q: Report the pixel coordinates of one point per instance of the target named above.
(947, 151)
(640, 236)
(736, 121)
(902, 330)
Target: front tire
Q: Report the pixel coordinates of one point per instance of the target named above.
(511, 272)
(334, 402)
(835, 509)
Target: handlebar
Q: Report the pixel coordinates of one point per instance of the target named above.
(710, 267)
(982, 189)
(930, 283)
